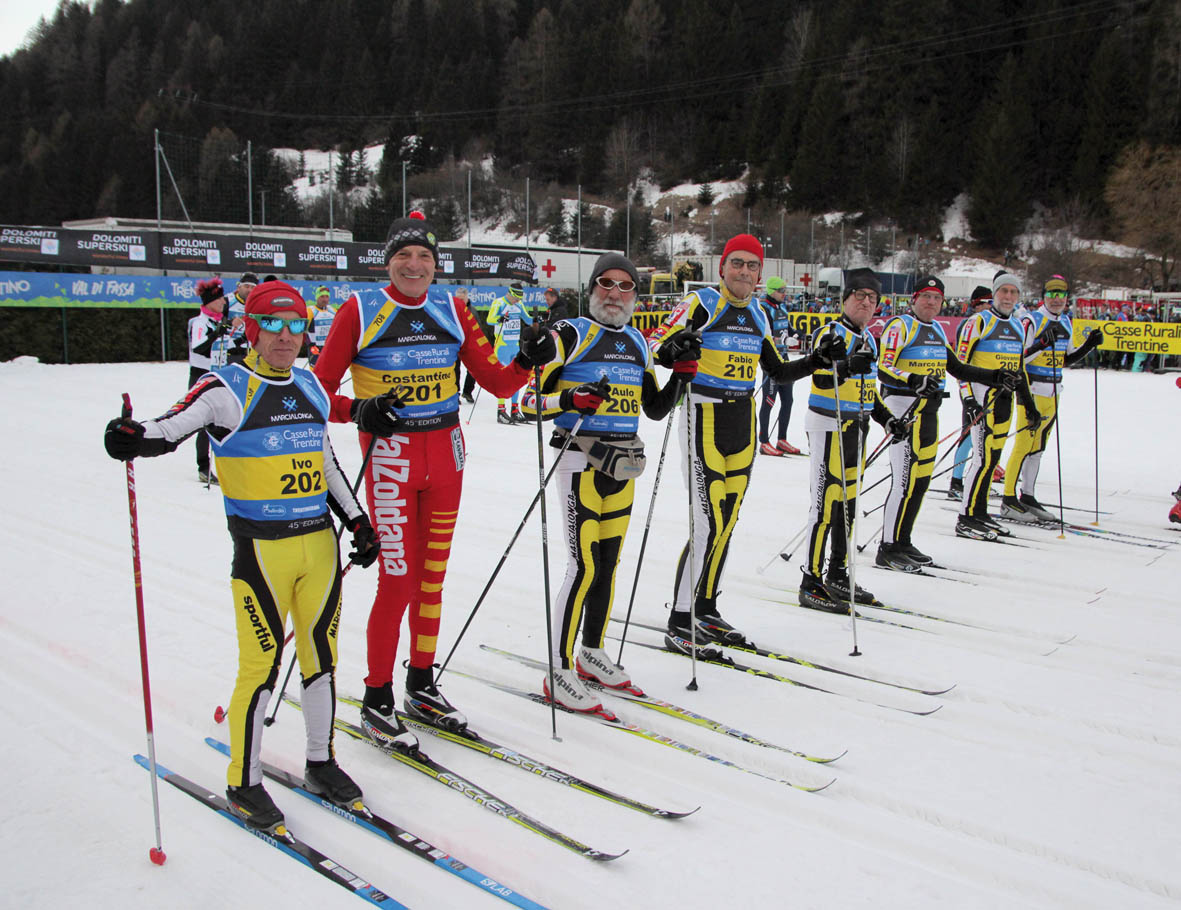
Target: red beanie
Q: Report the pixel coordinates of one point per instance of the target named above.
(268, 298)
(744, 242)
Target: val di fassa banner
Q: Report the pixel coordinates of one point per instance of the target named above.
(1137, 337)
(227, 254)
(57, 289)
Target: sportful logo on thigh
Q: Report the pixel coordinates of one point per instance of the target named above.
(389, 472)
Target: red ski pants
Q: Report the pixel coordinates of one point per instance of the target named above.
(412, 484)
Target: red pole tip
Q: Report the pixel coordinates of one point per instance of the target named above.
(156, 855)
(1179, 382)
(219, 714)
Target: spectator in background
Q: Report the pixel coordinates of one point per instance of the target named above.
(205, 331)
(782, 332)
(469, 383)
(238, 345)
(319, 322)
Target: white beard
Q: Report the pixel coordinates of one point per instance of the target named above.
(599, 314)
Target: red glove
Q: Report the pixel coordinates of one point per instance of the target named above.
(586, 398)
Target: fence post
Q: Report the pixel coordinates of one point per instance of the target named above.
(65, 338)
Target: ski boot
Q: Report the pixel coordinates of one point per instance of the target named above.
(1040, 512)
(914, 553)
(973, 529)
(255, 807)
(572, 694)
(1013, 509)
(892, 556)
(503, 418)
(326, 779)
(814, 596)
(787, 448)
(836, 585)
(995, 526)
(425, 702)
(955, 490)
(595, 664)
(767, 449)
(381, 722)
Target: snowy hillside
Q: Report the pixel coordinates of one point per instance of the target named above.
(1047, 778)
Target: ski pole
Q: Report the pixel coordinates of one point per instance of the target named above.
(851, 548)
(504, 556)
(644, 540)
(854, 424)
(156, 854)
(783, 552)
(1058, 444)
(542, 479)
(694, 584)
(1095, 375)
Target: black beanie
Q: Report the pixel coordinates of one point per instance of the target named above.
(981, 294)
(413, 230)
(612, 261)
(857, 279)
(928, 283)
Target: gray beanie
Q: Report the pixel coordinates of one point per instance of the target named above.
(612, 261)
(1001, 278)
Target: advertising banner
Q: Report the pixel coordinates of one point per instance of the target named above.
(1138, 337)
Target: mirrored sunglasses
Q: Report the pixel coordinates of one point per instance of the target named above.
(276, 324)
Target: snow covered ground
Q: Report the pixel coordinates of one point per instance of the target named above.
(1048, 778)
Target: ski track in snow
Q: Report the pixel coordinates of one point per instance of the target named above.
(1048, 778)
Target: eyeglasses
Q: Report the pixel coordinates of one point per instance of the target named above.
(625, 287)
(276, 324)
(751, 265)
(862, 296)
(1056, 295)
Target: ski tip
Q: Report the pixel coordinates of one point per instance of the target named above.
(678, 815)
(819, 760)
(600, 857)
(146, 764)
(808, 789)
(218, 745)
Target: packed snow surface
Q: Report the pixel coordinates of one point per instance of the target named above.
(1047, 778)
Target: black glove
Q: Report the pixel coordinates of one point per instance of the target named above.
(537, 346)
(1058, 330)
(375, 415)
(586, 398)
(924, 384)
(682, 346)
(828, 348)
(1008, 380)
(859, 363)
(1033, 419)
(366, 544)
(898, 428)
(123, 438)
(1094, 339)
(972, 410)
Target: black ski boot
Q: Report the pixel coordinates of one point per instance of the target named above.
(813, 595)
(915, 554)
(255, 807)
(892, 556)
(326, 779)
(973, 529)
(836, 584)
